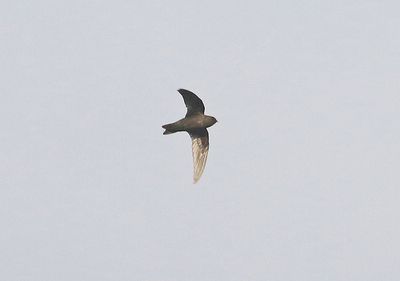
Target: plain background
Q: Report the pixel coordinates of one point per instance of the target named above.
(302, 180)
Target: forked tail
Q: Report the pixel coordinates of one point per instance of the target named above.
(169, 129)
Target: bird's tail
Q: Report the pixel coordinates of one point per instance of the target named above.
(169, 129)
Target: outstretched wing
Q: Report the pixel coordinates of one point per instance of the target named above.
(200, 147)
(193, 103)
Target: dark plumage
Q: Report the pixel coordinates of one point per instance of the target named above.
(195, 123)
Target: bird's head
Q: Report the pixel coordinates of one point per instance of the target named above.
(213, 120)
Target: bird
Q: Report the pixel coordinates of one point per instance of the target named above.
(195, 123)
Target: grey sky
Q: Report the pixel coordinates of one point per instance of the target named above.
(302, 180)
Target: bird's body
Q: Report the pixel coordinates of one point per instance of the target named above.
(198, 121)
(196, 124)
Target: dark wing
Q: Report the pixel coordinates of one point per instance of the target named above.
(193, 103)
(200, 147)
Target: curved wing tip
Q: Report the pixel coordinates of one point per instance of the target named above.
(180, 90)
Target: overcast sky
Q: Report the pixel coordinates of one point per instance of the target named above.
(302, 180)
